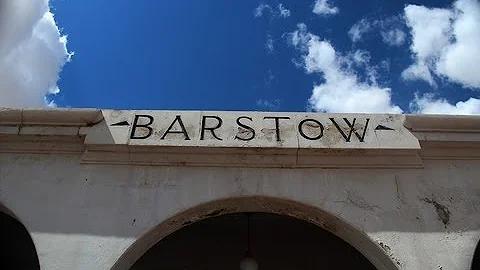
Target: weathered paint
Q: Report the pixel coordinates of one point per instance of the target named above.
(93, 199)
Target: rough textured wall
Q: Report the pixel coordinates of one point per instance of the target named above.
(86, 216)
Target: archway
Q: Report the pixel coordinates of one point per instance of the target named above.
(16, 245)
(476, 257)
(276, 242)
(326, 224)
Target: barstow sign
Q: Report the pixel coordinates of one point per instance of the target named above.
(247, 132)
(259, 129)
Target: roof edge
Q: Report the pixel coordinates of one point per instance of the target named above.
(50, 116)
(442, 123)
(90, 116)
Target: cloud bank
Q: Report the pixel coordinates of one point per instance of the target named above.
(279, 11)
(342, 89)
(393, 37)
(441, 38)
(445, 46)
(445, 43)
(360, 28)
(268, 104)
(323, 7)
(32, 53)
(389, 29)
(269, 45)
(427, 104)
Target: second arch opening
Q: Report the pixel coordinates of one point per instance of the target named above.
(274, 241)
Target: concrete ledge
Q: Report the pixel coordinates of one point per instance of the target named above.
(443, 123)
(444, 137)
(88, 117)
(50, 117)
(250, 157)
(41, 144)
(105, 136)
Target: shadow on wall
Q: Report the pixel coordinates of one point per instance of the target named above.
(16, 245)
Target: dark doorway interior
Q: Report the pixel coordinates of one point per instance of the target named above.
(17, 248)
(476, 258)
(277, 243)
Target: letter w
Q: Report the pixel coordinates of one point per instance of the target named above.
(352, 129)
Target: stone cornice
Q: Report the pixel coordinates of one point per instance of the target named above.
(88, 117)
(446, 137)
(50, 117)
(443, 123)
(89, 132)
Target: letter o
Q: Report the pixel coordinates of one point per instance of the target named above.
(300, 129)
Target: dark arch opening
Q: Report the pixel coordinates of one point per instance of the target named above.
(276, 242)
(16, 245)
(476, 257)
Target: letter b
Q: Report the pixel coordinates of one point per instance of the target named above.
(147, 126)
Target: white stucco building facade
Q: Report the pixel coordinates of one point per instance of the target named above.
(97, 189)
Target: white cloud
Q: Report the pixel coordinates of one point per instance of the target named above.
(280, 11)
(355, 59)
(427, 104)
(419, 70)
(430, 30)
(389, 29)
(269, 44)
(323, 7)
(270, 77)
(32, 53)
(268, 104)
(460, 61)
(445, 42)
(393, 37)
(300, 37)
(258, 12)
(361, 57)
(284, 12)
(359, 29)
(385, 65)
(342, 90)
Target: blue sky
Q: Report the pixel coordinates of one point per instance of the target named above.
(242, 55)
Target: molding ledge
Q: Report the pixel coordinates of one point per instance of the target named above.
(442, 123)
(87, 132)
(50, 117)
(251, 157)
(451, 137)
